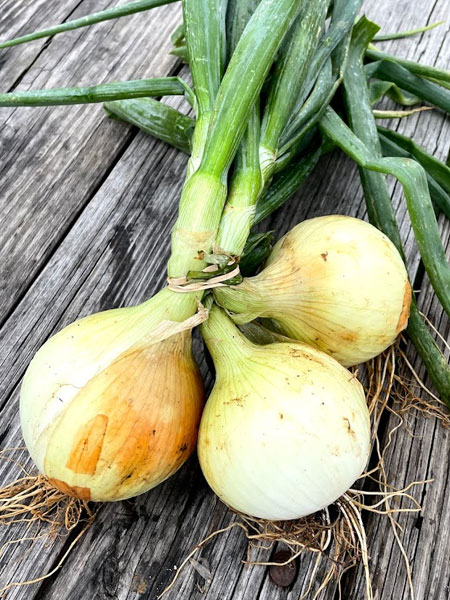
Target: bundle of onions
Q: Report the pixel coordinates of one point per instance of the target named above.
(335, 282)
(286, 429)
(110, 405)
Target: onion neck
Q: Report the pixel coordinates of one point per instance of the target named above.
(227, 345)
(247, 301)
(170, 306)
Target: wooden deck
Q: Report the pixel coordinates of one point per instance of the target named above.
(86, 209)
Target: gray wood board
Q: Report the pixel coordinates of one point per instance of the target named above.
(87, 223)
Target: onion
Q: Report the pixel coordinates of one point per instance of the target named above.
(334, 282)
(285, 431)
(110, 407)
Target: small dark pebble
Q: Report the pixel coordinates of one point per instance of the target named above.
(283, 575)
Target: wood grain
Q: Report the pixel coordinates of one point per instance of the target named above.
(85, 226)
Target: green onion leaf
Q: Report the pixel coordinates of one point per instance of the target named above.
(389, 70)
(205, 191)
(414, 67)
(290, 71)
(435, 362)
(105, 15)
(253, 58)
(366, 152)
(377, 89)
(398, 114)
(103, 92)
(440, 198)
(403, 34)
(286, 183)
(157, 119)
(204, 27)
(437, 169)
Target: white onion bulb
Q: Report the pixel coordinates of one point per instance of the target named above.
(108, 409)
(334, 282)
(285, 431)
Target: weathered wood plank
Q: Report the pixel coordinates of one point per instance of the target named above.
(54, 159)
(115, 254)
(16, 18)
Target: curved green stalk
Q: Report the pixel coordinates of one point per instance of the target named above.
(389, 70)
(414, 67)
(410, 173)
(378, 199)
(105, 15)
(437, 169)
(157, 119)
(103, 92)
(403, 34)
(439, 196)
(377, 89)
(412, 177)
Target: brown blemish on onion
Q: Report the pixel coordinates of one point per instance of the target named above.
(324, 256)
(403, 320)
(87, 447)
(349, 336)
(83, 493)
(349, 427)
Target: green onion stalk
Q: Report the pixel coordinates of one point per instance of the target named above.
(306, 76)
(204, 30)
(246, 181)
(205, 191)
(104, 92)
(116, 12)
(256, 162)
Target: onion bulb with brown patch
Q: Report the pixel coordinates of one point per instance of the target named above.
(334, 282)
(286, 429)
(110, 405)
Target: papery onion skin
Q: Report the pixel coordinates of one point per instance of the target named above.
(334, 282)
(107, 412)
(286, 429)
